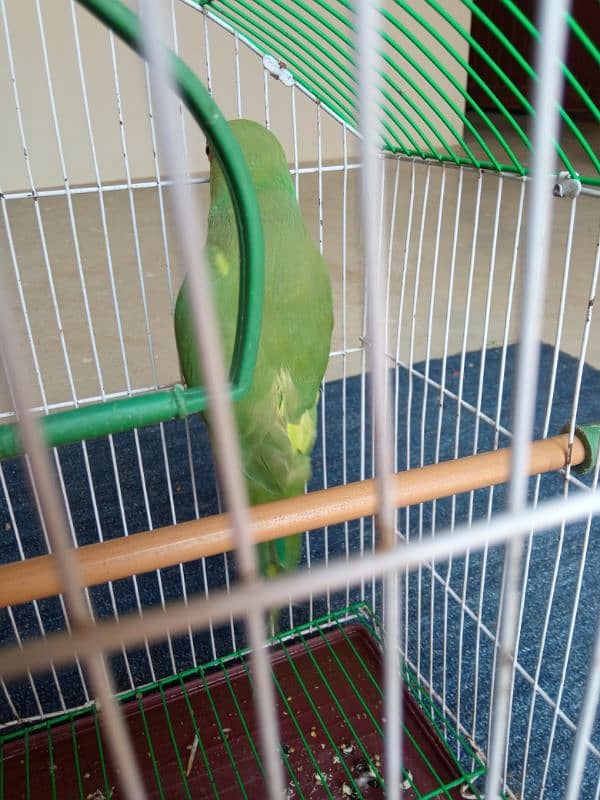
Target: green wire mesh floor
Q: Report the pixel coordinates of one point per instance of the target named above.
(196, 736)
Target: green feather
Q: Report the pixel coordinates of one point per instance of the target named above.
(276, 420)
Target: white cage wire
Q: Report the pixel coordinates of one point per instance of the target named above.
(91, 270)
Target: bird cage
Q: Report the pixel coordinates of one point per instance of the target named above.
(440, 638)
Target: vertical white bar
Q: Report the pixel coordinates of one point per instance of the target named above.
(409, 222)
(585, 723)
(295, 138)
(194, 488)
(182, 109)
(409, 402)
(227, 451)
(266, 97)
(487, 311)
(323, 396)
(209, 80)
(381, 322)
(157, 170)
(455, 234)
(434, 277)
(550, 51)
(390, 253)
(509, 307)
(486, 325)
(238, 80)
(367, 59)
(344, 245)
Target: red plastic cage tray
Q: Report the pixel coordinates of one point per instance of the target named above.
(197, 737)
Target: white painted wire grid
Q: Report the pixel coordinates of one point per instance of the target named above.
(423, 214)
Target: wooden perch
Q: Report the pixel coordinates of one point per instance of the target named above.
(36, 578)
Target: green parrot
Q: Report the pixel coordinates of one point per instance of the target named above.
(277, 419)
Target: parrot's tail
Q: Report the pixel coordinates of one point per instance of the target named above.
(276, 557)
(280, 555)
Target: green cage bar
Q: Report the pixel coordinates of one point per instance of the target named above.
(323, 65)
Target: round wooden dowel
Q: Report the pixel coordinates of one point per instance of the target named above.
(36, 578)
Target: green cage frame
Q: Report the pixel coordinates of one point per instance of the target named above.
(317, 41)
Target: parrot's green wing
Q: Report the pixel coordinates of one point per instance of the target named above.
(276, 420)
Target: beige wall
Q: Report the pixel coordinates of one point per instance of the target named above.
(34, 97)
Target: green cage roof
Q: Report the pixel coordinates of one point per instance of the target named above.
(434, 102)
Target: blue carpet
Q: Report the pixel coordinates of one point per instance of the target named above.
(440, 613)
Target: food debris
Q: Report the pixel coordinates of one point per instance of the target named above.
(99, 794)
(347, 748)
(408, 782)
(366, 775)
(313, 733)
(190, 764)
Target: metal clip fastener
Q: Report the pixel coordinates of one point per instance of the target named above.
(278, 70)
(566, 186)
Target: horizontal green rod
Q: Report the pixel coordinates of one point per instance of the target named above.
(113, 416)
